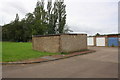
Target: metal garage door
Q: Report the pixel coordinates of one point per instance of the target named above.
(112, 41)
(119, 42)
(90, 41)
(100, 41)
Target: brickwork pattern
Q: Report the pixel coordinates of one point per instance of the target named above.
(61, 43)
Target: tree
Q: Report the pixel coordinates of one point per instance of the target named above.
(49, 11)
(66, 29)
(61, 15)
(14, 31)
(56, 17)
(0, 33)
(97, 34)
(49, 17)
(29, 25)
(17, 17)
(40, 24)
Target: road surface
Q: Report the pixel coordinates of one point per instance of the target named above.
(101, 64)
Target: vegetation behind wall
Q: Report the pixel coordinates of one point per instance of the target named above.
(40, 22)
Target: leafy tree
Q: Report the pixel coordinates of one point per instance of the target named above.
(97, 34)
(39, 22)
(14, 31)
(49, 17)
(29, 25)
(0, 33)
(56, 17)
(60, 6)
(66, 29)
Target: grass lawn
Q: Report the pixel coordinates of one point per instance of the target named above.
(0, 51)
(16, 51)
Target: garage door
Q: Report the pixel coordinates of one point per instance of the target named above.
(100, 41)
(90, 41)
(112, 41)
(119, 42)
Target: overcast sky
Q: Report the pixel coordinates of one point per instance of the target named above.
(86, 16)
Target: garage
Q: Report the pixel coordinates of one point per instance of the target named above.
(119, 42)
(100, 41)
(104, 40)
(90, 41)
(113, 41)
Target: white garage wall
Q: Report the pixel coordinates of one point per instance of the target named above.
(100, 41)
(119, 39)
(90, 41)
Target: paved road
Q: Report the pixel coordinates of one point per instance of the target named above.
(100, 64)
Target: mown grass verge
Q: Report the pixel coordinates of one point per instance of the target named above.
(17, 51)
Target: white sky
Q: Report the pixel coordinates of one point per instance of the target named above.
(88, 16)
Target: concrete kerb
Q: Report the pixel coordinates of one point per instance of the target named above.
(63, 57)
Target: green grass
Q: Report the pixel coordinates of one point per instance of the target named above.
(16, 51)
(0, 51)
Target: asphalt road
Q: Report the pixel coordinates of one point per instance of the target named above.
(101, 64)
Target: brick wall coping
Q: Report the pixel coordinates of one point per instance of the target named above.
(55, 35)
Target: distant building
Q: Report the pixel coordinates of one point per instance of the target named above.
(104, 40)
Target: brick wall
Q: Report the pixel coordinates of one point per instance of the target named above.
(60, 43)
(46, 44)
(71, 43)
